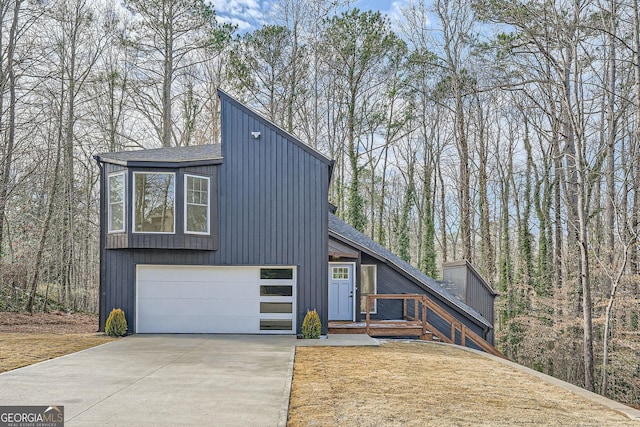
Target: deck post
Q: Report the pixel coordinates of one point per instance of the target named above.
(404, 309)
(367, 305)
(424, 319)
(463, 335)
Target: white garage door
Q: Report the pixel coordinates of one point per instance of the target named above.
(202, 299)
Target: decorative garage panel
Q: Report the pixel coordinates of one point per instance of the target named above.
(206, 299)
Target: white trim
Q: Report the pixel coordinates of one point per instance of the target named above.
(133, 203)
(186, 204)
(375, 288)
(124, 202)
(353, 283)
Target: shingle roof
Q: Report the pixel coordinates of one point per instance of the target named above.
(192, 155)
(350, 235)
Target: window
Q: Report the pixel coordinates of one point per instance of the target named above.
(153, 201)
(276, 324)
(368, 286)
(116, 203)
(276, 291)
(340, 273)
(276, 307)
(196, 204)
(276, 273)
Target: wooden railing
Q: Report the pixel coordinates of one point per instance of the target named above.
(421, 306)
(416, 321)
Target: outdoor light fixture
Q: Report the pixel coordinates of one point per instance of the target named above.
(256, 135)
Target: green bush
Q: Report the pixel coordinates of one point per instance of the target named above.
(311, 326)
(116, 325)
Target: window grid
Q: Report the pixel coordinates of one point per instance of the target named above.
(340, 273)
(116, 203)
(196, 204)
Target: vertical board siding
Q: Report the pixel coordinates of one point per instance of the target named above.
(271, 210)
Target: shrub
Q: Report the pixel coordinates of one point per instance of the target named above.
(311, 326)
(116, 325)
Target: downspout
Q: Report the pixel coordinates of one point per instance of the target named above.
(101, 291)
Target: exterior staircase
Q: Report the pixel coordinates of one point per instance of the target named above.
(415, 323)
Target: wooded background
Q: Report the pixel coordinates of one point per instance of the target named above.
(506, 132)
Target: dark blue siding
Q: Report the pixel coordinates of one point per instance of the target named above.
(473, 289)
(272, 210)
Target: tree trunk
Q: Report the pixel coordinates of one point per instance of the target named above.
(611, 138)
(483, 179)
(7, 160)
(167, 81)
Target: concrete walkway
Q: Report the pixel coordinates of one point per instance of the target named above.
(158, 380)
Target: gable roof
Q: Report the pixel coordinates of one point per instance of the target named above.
(349, 235)
(315, 153)
(194, 155)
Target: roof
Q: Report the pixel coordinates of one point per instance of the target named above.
(315, 153)
(349, 235)
(193, 155)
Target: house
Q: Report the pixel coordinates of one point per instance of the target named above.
(238, 237)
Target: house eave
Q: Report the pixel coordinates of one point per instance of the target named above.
(155, 164)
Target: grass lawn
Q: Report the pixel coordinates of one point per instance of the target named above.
(417, 384)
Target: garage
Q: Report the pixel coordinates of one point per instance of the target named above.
(206, 299)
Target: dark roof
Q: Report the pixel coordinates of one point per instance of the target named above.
(193, 155)
(348, 234)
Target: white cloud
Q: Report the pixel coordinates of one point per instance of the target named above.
(235, 7)
(397, 18)
(241, 24)
(241, 12)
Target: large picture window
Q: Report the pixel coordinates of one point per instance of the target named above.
(369, 287)
(154, 202)
(116, 203)
(196, 206)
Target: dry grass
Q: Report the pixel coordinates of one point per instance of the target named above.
(416, 384)
(18, 350)
(26, 339)
(49, 323)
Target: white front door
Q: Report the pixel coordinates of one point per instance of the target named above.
(341, 290)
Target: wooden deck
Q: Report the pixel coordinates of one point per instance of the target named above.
(413, 324)
(383, 328)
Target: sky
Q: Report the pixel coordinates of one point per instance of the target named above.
(249, 14)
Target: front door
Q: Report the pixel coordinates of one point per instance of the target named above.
(341, 280)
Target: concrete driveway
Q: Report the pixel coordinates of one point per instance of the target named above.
(159, 380)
